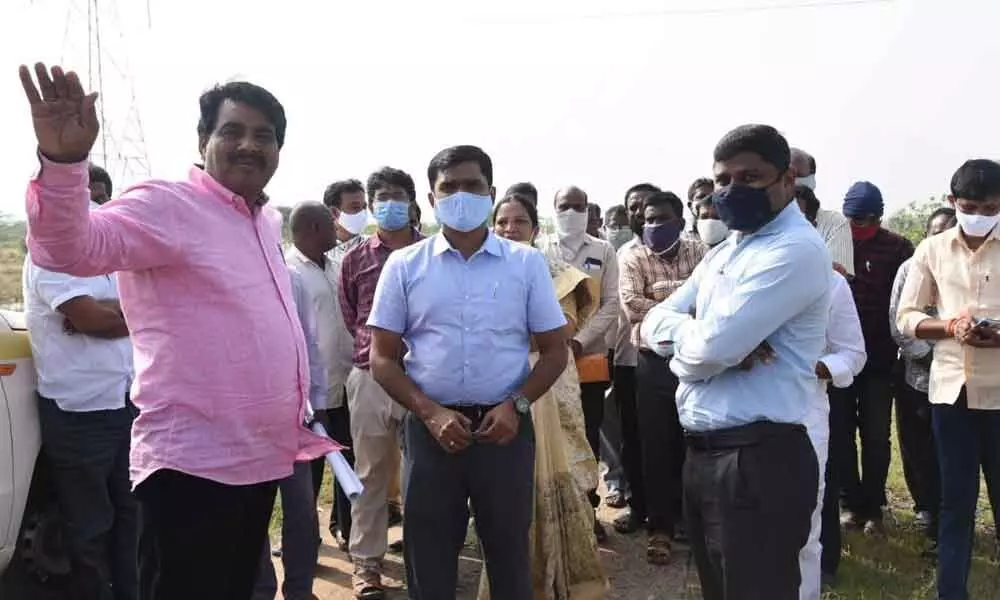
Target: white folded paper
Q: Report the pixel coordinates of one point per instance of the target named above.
(342, 471)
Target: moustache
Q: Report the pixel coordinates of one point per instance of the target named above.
(256, 159)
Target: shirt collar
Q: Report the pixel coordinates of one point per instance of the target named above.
(295, 254)
(787, 217)
(491, 245)
(200, 177)
(954, 235)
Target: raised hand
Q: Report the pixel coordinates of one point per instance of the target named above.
(65, 118)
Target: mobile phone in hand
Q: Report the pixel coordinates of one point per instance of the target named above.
(986, 324)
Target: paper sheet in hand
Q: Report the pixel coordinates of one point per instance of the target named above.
(342, 471)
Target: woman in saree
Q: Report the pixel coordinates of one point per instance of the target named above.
(564, 555)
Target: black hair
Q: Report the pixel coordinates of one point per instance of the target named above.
(243, 92)
(642, 187)
(762, 140)
(699, 183)
(306, 215)
(97, 174)
(615, 210)
(525, 188)
(456, 155)
(334, 194)
(593, 208)
(810, 200)
(665, 199)
(812, 164)
(416, 210)
(976, 180)
(521, 199)
(942, 211)
(389, 176)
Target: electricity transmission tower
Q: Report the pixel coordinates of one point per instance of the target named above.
(94, 29)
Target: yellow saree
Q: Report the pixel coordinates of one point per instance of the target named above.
(564, 555)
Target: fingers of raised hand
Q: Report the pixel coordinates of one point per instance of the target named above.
(45, 82)
(59, 82)
(30, 90)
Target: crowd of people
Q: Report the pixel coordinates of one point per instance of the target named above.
(721, 367)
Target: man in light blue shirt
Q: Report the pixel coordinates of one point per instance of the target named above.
(465, 307)
(760, 299)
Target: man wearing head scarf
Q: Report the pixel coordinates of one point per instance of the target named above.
(867, 403)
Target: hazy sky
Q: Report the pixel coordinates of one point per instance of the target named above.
(599, 94)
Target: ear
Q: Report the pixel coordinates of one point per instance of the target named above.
(202, 143)
(951, 201)
(335, 212)
(493, 193)
(430, 198)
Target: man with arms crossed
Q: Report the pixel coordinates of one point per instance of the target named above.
(468, 306)
(760, 299)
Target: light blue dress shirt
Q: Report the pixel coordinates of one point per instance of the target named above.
(318, 385)
(771, 285)
(467, 324)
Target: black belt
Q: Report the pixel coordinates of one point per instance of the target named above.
(740, 437)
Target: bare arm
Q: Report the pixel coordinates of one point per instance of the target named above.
(100, 319)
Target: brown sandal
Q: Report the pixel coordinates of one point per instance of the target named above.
(658, 549)
(368, 586)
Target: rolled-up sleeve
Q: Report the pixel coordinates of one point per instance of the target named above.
(136, 231)
(784, 281)
(544, 312)
(389, 307)
(917, 293)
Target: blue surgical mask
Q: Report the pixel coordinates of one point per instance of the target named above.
(742, 207)
(391, 215)
(463, 211)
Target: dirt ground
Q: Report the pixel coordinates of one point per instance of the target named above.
(624, 560)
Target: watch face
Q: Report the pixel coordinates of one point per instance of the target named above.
(522, 405)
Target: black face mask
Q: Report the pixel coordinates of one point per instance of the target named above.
(744, 208)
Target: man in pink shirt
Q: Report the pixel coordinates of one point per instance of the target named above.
(221, 365)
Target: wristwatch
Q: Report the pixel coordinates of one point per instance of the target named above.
(521, 403)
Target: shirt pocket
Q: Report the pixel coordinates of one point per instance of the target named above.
(504, 306)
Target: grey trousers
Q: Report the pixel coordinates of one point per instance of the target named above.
(497, 482)
(299, 540)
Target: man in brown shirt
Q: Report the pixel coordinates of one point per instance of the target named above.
(375, 418)
(651, 271)
(958, 271)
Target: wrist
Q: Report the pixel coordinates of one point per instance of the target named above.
(520, 403)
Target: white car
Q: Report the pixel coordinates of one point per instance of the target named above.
(20, 438)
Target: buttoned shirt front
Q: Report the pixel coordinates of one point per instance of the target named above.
(467, 323)
(946, 274)
(222, 372)
(772, 285)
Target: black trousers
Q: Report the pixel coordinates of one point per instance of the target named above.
(337, 422)
(592, 400)
(830, 535)
(89, 457)
(749, 494)
(868, 403)
(916, 447)
(631, 452)
(662, 442)
(497, 482)
(201, 539)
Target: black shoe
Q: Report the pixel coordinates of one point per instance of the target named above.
(828, 579)
(396, 547)
(628, 523)
(925, 522)
(680, 536)
(395, 515)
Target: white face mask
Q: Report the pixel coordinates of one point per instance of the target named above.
(711, 231)
(808, 181)
(976, 225)
(570, 223)
(353, 224)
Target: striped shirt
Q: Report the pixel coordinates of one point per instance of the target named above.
(647, 279)
(835, 230)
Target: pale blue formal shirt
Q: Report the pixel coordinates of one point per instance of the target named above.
(467, 324)
(772, 285)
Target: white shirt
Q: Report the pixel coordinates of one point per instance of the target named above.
(79, 372)
(845, 345)
(835, 230)
(336, 345)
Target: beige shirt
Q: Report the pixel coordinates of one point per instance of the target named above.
(596, 258)
(945, 273)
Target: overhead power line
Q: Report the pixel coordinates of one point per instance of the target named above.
(695, 11)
